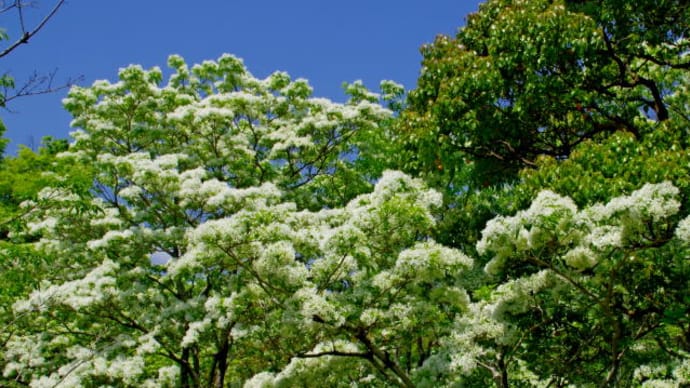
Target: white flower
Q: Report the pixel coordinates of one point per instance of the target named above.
(109, 237)
(429, 260)
(604, 237)
(581, 258)
(261, 380)
(683, 230)
(148, 344)
(314, 304)
(96, 286)
(195, 329)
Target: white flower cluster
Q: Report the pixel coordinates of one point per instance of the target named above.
(658, 376)
(213, 195)
(96, 286)
(302, 371)
(486, 327)
(553, 225)
(625, 218)
(23, 353)
(548, 218)
(84, 364)
(683, 230)
(315, 303)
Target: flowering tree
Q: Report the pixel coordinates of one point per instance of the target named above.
(204, 255)
(592, 295)
(218, 229)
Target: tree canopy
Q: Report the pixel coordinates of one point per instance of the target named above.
(530, 78)
(520, 218)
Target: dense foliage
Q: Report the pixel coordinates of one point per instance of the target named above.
(520, 219)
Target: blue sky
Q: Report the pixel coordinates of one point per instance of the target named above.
(327, 42)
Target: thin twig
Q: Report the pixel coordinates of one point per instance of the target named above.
(19, 6)
(36, 85)
(27, 35)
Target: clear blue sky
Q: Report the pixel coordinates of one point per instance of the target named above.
(327, 42)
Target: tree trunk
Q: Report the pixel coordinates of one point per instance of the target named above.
(220, 361)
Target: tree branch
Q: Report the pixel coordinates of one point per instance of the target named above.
(680, 65)
(334, 353)
(28, 35)
(35, 85)
(405, 381)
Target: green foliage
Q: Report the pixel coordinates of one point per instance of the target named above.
(530, 78)
(597, 172)
(22, 266)
(216, 229)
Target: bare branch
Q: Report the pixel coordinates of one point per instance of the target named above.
(28, 35)
(21, 16)
(36, 84)
(4, 8)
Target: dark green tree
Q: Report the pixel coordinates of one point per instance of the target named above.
(525, 79)
(530, 78)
